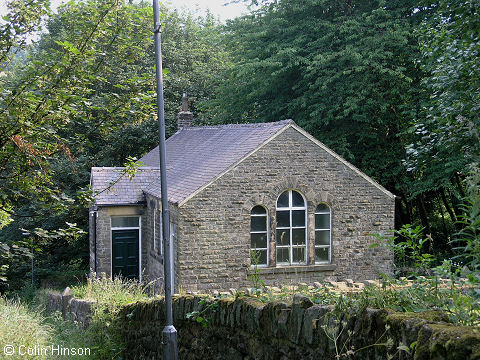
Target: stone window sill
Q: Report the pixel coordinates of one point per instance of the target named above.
(295, 269)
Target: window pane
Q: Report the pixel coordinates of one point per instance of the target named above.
(258, 241)
(297, 199)
(259, 210)
(299, 254)
(283, 237)
(323, 208)
(258, 257)
(125, 221)
(298, 217)
(282, 255)
(258, 223)
(283, 218)
(321, 254)
(298, 236)
(322, 237)
(322, 221)
(283, 200)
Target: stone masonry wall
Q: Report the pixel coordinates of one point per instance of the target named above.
(214, 225)
(246, 329)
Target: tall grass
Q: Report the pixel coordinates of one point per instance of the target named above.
(20, 326)
(25, 323)
(108, 295)
(114, 292)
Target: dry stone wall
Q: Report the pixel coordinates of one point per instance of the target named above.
(244, 329)
(76, 310)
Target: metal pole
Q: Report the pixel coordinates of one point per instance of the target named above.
(169, 333)
(25, 234)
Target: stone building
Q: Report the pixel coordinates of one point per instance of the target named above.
(267, 196)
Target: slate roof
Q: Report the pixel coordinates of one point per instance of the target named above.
(195, 156)
(113, 188)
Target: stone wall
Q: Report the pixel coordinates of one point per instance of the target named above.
(76, 310)
(214, 225)
(244, 329)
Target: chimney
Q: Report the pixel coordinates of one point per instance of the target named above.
(185, 117)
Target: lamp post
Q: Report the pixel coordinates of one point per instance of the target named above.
(169, 333)
(25, 234)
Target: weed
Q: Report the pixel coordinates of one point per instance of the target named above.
(208, 307)
(254, 275)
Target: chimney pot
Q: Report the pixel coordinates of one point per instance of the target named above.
(185, 117)
(184, 102)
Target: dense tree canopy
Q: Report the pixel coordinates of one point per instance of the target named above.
(345, 71)
(376, 81)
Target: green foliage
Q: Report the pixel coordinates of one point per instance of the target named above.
(409, 246)
(20, 326)
(21, 21)
(451, 47)
(445, 135)
(208, 307)
(254, 273)
(466, 242)
(111, 292)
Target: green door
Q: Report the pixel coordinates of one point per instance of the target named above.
(125, 253)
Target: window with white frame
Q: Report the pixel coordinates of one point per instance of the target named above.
(323, 238)
(259, 236)
(291, 229)
(130, 222)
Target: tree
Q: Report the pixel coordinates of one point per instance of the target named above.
(345, 71)
(85, 96)
(449, 136)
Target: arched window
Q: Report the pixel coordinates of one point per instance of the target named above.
(259, 236)
(323, 231)
(291, 236)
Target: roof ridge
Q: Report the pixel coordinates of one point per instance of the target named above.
(238, 125)
(119, 168)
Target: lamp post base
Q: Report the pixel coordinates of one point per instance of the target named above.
(169, 340)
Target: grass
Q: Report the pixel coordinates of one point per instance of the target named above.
(27, 326)
(114, 293)
(108, 295)
(23, 321)
(20, 326)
